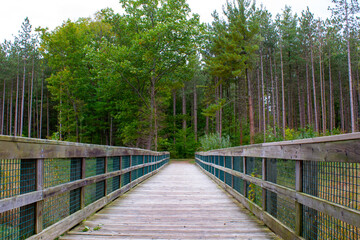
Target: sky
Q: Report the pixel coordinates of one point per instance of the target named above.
(50, 13)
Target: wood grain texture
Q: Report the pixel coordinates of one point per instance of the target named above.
(178, 203)
(29, 148)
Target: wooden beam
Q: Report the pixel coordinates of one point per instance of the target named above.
(28, 148)
(39, 187)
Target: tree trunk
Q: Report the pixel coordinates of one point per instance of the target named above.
(308, 95)
(220, 111)
(331, 98)
(251, 110)
(263, 96)
(22, 100)
(314, 90)
(273, 106)
(152, 109)
(283, 94)
(174, 114)
(41, 107)
(17, 101)
(184, 108)
(207, 122)
(47, 116)
(342, 120)
(3, 110)
(259, 102)
(11, 108)
(195, 113)
(30, 100)
(323, 110)
(301, 104)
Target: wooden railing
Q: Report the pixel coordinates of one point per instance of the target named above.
(48, 187)
(303, 189)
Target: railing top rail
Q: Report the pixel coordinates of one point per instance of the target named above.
(337, 148)
(29, 148)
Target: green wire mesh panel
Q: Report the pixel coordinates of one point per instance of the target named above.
(146, 160)
(18, 223)
(238, 182)
(228, 176)
(222, 164)
(281, 208)
(216, 162)
(281, 172)
(56, 208)
(94, 192)
(326, 227)
(125, 163)
(254, 169)
(94, 166)
(334, 182)
(114, 182)
(17, 177)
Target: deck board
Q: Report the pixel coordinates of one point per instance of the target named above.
(180, 202)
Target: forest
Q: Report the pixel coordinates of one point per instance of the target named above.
(155, 77)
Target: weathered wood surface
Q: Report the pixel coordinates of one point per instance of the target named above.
(30, 148)
(180, 202)
(338, 148)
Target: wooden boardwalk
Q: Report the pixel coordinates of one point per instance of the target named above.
(180, 202)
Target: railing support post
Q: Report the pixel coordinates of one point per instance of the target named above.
(83, 176)
(39, 186)
(244, 182)
(264, 162)
(298, 206)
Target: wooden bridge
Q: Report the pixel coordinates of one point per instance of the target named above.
(305, 189)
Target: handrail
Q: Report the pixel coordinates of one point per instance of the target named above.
(47, 187)
(301, 189)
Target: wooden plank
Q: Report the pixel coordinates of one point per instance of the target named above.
(178, 203)
(39, 187)
(58, 228)
(298, 206)
(29, 148)
(338, 211)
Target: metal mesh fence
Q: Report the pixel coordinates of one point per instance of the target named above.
(228, 176)
(281, 172)
(254, 169)
(281, 208)
(94, 192)
(113, 183)
(18, 223)
(318, 225)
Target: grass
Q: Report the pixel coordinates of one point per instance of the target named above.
(191, 160)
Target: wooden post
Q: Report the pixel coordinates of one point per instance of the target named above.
(106, 171)
(39, 186)
(83, 176)
(232, 168)
(264, 162)
(120, 167)
(130, 164)
(143, 169)
(298, 188)
(244, 182)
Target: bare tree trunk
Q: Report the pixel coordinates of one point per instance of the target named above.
(184, 108)
(332, 116)
(273, 105)
(41, 106)
(308, 95)
(283, 94)
(220, 110)
(47, 116)
(17, 100)
(195, 113)
(314, 90)
(341, 105)
(323, 110)
(263, 95)
(251, 111)
(22, 100)
(30, 100)
(3, 110)
(111, 130)
(174, 114)
(11, 108)
(152, 115)
(217, 117)
(207, 122)
(259, 102)
(301, 108)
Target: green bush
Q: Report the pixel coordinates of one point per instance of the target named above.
(214, 141)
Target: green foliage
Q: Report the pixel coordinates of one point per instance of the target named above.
(185, 144)
(214, 141)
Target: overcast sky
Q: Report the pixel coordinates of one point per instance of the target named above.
(50, 13)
